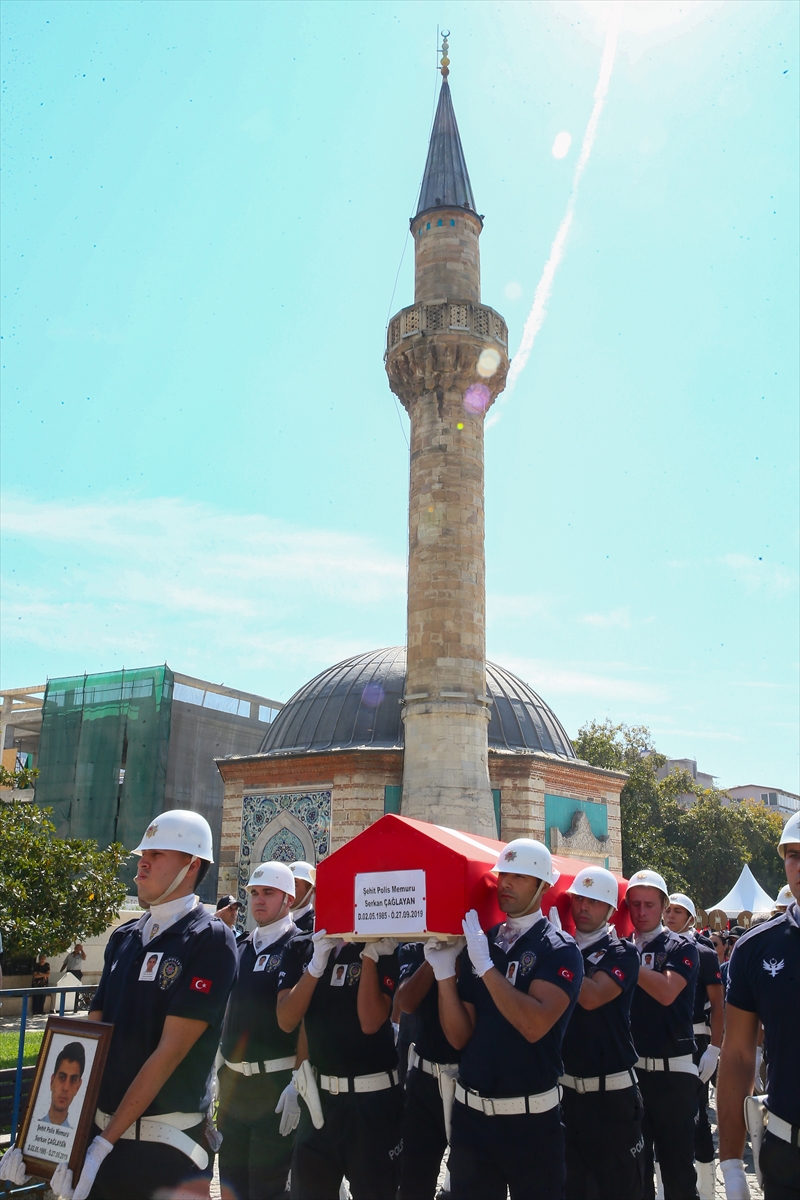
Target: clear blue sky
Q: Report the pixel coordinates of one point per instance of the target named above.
(205, 206)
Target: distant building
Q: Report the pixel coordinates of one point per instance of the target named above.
(785, 803)
(115, 749)
(703, 780)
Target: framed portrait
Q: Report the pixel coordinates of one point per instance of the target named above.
(63, 1099)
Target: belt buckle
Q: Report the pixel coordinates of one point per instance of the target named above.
(247, 1069)
(649, 1064)
(333, 1085)
(580, 1086)
(488, 1106)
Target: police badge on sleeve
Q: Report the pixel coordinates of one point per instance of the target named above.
(170, 970)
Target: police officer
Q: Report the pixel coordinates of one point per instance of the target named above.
(430, 1081)
(764, 985)
(228, 908)
(663, 1034)
(305, 877)
(507, 1011)
(708, 1019)
(258, 1101)
(601, 1104)
(167, 1015)
(350, 1124)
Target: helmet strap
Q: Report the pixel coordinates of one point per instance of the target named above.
(176, 883)
(534, 904)
(309, 896)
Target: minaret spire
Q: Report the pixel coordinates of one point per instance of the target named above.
(447, 359)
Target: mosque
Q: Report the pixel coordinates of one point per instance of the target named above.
(430, 730)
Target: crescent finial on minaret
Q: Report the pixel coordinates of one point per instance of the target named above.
(445, 67)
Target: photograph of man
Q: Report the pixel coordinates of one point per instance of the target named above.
(65, 1083)
(338, 976)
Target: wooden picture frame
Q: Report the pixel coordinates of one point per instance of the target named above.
(60, 1129)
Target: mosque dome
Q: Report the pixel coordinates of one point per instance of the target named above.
(356, 705)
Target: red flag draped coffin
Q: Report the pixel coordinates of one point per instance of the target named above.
(410, 880)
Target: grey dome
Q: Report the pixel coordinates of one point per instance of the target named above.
(356, 704)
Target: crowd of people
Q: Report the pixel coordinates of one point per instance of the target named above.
(551, 1065)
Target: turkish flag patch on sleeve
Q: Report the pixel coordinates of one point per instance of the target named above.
(199, 985)
(565, 973)
(388, 982)
(618, 974)
(687, 962)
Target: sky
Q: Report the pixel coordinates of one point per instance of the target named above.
(205, 218)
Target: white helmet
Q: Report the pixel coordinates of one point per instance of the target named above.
(596, 883)
(304, 870)
(524, 856)
(648, 879)
(684, 902)
(181, 830)
(784, 897)
(275, 875)
(791, 833)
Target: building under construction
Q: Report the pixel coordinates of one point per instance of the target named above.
(115, 749)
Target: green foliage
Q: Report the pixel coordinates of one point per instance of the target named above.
(23, 778)
(700, 850)
(9, 1046)
(53, 891)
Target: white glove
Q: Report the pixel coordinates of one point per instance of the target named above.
(708, 1063)
(323, 945)
(98, 1150)
(735, 1179)
(61, 1182)
(374, 950)
(442, 956)
(477, 944)
(289, 1107)
(12, 1167)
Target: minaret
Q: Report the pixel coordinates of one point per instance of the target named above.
(447, 359)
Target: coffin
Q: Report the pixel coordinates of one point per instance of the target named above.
(411, 880)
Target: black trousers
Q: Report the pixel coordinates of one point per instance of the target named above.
(489, 1154)
(254, 1159)
(361, 1139)
(603, 1144)
(703, 1137)
(780, 1166)
(149, 1171)
(424, 1137)
(670, 1104)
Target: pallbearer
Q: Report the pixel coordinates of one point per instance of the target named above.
(151, 1122)
(508, 1010)
(305, 881)
(663, 1034)
(601, 1102)
(258, 1106)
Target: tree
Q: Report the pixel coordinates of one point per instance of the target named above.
(53, 891)
(23, 778)
(699, 850)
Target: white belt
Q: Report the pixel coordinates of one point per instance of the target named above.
(267, 1066)
(682, 1064)
(783, 1129)
(378, 1082)
(507, 1106)
(702, 1028)
(424, 1064)
(613, 1083)
(166, 1129)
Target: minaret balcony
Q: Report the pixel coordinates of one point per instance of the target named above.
(423, 320)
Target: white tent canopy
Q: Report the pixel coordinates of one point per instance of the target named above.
(747, 895)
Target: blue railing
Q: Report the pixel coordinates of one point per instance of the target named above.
(26, 994)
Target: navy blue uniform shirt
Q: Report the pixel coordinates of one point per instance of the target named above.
(187, 971)
(251, 1032)
(665, 1030)
(709, 974)
(429, 1037)
(598, 1041)
(764, 978)
(498, 1060)
(337, 1044)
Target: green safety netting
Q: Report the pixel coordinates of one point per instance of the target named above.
(103, 754)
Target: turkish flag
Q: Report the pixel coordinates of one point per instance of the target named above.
(200, 985)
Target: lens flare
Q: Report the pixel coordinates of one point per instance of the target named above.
(477, 397)
(488, 363)
(372, 695)
(562, 144)
(460, 425)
